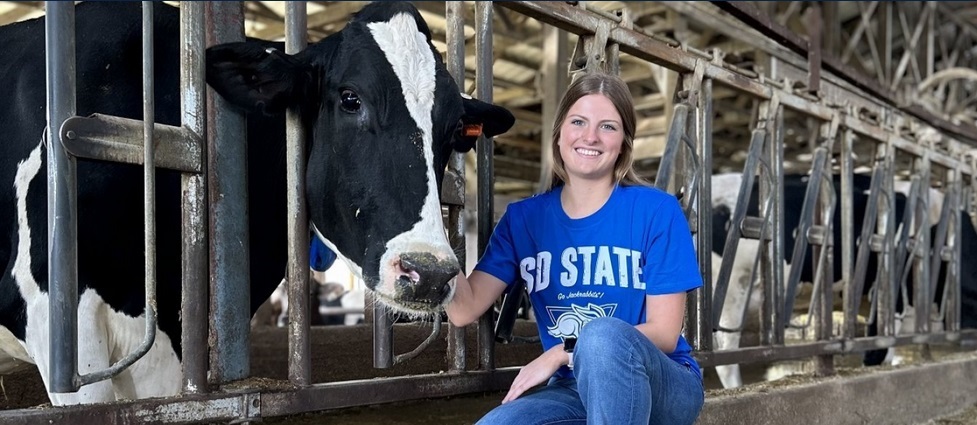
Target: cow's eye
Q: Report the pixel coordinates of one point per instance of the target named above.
(349, 101)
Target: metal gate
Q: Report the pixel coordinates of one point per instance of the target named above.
(845, 111)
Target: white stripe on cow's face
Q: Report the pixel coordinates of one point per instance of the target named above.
(412, 60)
(353, 267)
(26, 172)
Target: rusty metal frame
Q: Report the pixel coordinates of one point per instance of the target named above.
(254, 404)
(884, 129)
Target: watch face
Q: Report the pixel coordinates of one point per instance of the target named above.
(568, 344)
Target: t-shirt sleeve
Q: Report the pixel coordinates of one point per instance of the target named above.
(500, 258)
(671, 265)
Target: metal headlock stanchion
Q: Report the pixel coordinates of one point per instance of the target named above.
(299, 346)
(68, 132)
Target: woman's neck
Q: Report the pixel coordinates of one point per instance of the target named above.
(581, 198)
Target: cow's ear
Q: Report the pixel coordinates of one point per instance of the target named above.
(481, 118)
(257, 77)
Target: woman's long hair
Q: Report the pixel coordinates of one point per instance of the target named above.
(615, 89)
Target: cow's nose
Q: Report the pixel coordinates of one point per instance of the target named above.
(425, 278)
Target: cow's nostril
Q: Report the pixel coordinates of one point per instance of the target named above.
(428, 276)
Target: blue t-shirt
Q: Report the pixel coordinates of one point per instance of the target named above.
(638, 243)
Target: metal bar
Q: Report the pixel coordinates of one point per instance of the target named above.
(833, 346)
(455, 62)
(62, 200)
(673, 141)
(228, 200)
(921, 256)
(299, 295)
(738, 215)
(887, 285)
(149, 205)
(193, 89)
(850, 297)
(483, 91)
(255, 403)
(952, 305)
(383, 338)
(804, 225)
(698, 328)
(814, 30)
(109, 138)
(824, 364)
(772, 315)
(881, 134)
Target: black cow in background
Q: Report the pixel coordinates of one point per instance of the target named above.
(968, 292)
(725, 188)
(381, 113)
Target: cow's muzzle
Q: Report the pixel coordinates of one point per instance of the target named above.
(425, 279)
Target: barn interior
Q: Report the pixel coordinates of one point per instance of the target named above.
(894, 45)
(909, 56)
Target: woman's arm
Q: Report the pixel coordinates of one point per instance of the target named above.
(666, 316)
(473, 297)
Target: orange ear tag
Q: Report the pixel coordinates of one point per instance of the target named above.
(472, 130)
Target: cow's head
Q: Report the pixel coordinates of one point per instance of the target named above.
(382, 115)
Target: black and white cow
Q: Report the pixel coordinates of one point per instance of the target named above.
(905, 311)
(725, 188)
(382, 115)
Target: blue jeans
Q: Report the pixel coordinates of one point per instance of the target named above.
(621, 378)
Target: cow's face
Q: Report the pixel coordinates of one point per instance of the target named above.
(382, 116)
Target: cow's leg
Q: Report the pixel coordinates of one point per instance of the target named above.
(92, 354)
(731, 317)
(158, 373)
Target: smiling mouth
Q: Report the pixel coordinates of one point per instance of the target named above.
(588, 152)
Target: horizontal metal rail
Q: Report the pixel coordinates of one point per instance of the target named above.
(109, 138)
(966, 337)
(251, 404)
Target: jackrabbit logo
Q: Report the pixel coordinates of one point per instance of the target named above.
(567, 321)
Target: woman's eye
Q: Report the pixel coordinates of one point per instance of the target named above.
(609, 127)
(576, 122)
(349, 101)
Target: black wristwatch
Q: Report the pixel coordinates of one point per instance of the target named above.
(568, 344)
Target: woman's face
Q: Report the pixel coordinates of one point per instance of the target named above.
(590, 139)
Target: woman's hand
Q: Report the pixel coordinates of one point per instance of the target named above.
(537, 372)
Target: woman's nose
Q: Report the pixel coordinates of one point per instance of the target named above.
(590, 134)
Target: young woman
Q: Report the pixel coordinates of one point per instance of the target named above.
(607, 262)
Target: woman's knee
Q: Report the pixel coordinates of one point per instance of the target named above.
(605, 333)
(607, 341)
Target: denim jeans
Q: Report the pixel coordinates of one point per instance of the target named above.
(621, 378)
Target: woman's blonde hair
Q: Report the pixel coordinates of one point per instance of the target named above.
(615, 89)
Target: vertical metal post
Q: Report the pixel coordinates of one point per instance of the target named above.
(455, 39)
(847, 233)
(299, 348)
(486, 173)
(772, 262)
(149, 171)
(921, 252)
(887, 283)
(698, 324)
(952, 288)
(555, 80)
(827, 202)
(228, 196)
(62, 199)
(193, 86)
